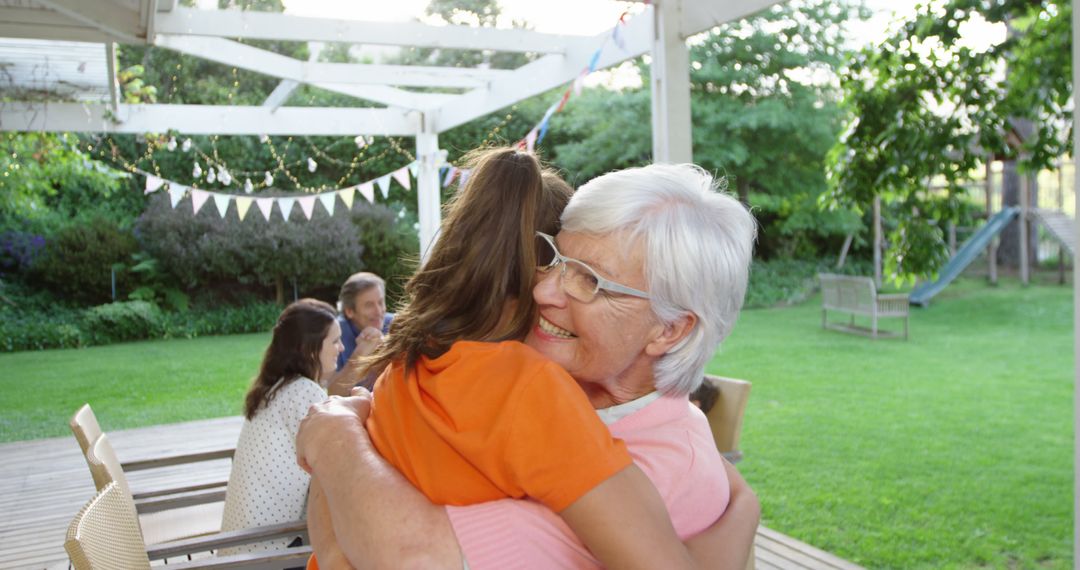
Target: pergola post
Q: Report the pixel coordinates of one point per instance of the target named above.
(671, 124)
(427, 185)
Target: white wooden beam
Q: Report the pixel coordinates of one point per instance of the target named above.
(280, 94)
(205, 119)
(265, 25)
(114, 81)
(428, 206)
(702, 15)
(36, 23)
(672, 128)
(276, 65)
(267, 62)
(114, 20)
(545, 73)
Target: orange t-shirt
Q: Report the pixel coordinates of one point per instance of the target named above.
(488, 421)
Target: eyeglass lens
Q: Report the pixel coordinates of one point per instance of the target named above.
(578, 280)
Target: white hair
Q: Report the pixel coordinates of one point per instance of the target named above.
(698, 243)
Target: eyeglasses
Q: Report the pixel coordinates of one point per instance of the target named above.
(579, 281)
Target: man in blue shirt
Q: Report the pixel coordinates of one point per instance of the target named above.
(364, 320)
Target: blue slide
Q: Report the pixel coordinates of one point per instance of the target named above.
(964, 256)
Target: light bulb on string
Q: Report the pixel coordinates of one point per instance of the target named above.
(197, 171)
(248, 186)
(186, 146)
(268, 180)
(360, 141)
(224, 177)
(171, 145)
(210, 175)
(311, 164)
(263, 139)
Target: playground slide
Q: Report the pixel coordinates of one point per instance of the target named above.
(967, 253)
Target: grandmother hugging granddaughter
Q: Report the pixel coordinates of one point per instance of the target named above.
(532, 409)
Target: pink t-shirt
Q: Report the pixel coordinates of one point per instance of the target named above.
(669, 440)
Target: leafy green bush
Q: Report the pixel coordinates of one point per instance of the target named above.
(121, 321)
(390, 247)
(207, 249)
(78, 259)
(255, 317)
(37, 332)
(791, 281)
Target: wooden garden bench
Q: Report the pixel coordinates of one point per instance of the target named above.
(857, 296)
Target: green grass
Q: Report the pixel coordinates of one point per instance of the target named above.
(951, 450)
(129, 385)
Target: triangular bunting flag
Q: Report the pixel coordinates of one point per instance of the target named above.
(530, 140)
(402, 176)
(617, 35)
(286, 205)
(384, 185)
(198, 198)
(595, 59)
(347, 196)
(450, 174)
(328, 199)
(242, 205)
(414, 167)
(265, 206)
(222, 203)
(307, 204)
(579, 81)
(176, 193)
(367, 190)
(152, 183)
(465, 176)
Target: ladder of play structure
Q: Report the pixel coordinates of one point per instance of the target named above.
(964, 256)
(1059, 225)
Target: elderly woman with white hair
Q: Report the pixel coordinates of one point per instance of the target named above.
(635, 294)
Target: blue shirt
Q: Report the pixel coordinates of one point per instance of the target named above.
(349, 334)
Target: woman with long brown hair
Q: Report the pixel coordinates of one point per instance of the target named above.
(265, 485)
(470, 414)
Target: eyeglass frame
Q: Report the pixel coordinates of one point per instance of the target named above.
(601, 283)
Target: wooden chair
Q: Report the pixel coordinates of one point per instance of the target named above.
(164, 515)
(726, 416)
(105, 535)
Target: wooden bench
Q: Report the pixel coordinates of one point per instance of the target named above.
(857, 296)
(726, 415)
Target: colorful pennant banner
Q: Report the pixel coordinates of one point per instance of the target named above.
(199, 198)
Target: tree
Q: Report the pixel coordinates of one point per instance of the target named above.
(764, 112)
(924, 106)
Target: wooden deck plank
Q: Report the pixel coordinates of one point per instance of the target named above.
(43, 483)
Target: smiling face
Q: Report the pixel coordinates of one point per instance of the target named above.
(331, 348)
(368, 310)
(610, 344)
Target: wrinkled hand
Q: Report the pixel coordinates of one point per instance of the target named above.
(367, 341)
(328, 423)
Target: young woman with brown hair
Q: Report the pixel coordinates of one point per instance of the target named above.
(265, 485)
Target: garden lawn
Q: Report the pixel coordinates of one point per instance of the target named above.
(951, 450)
(128, 385)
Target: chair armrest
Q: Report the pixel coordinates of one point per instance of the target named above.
(154, 505)
(177, 490)
(181, 459)
(733, 457)
(271, 560)
(226, 539)
(893, 297)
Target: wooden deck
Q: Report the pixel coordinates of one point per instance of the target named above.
(43, 483)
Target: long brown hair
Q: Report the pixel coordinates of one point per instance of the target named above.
(293, 352)
(485, 255)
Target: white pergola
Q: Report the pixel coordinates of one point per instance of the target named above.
(661, 30)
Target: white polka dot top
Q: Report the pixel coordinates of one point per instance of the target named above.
(266, 486)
